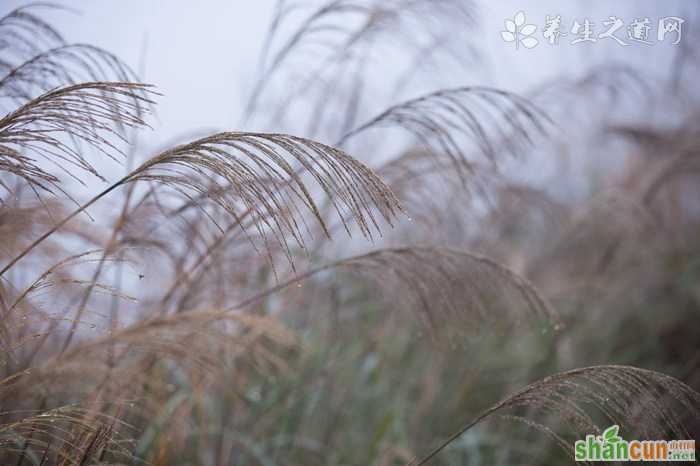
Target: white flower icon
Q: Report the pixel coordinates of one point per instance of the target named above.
(519, 32)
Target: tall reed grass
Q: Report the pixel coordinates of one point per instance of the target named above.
(268, 298)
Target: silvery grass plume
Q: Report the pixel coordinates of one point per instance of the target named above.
(32, 326)
(204, 342)
(463, 138)
(182, 358)
(644, 403)
(258, 179)
(87, 112)
(110, 371)
(52, 126)
(466, 132)
(443, 287)
(672, 154)
(345, 36)
(36, 58)
(74, 435)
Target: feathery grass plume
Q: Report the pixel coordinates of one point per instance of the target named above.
(24, 34)
(67, 435)
(84, 113)
(464, 135)
(345, 35)
(35, 57)
(671, 153)
(520, 209)
(419, 177)
(645, 404)
(433, 193)
(202, 337)
(17, 219)
(258, 177)
(212, 261)
(33, 326)
(447, 120)
(61, 66)
(218, 383)
(202, 342)
(444, 286)
(607, 88)
(605, 232)
(24, 216)
(148, 357)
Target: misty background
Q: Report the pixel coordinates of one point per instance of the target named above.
(496, 217)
